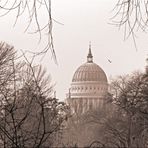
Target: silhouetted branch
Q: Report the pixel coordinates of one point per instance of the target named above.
(33, 10)
(132, 15)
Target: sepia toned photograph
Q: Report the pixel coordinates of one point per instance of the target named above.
(73, 73)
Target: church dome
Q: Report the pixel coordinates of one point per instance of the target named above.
(89, 72)
(89, 80)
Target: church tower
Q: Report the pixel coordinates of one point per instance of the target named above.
(89, 86)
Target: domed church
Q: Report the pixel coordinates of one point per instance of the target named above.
(89, 86)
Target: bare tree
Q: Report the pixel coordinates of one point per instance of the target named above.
(30, 116)
(131, 97)
(125, 123)
(7, 53)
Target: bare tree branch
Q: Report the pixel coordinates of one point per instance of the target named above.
(132, 15)
(33, 10)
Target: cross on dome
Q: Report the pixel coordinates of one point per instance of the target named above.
(89, 56)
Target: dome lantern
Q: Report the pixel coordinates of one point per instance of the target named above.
(90, 57)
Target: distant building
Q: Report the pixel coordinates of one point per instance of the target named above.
(89, 86)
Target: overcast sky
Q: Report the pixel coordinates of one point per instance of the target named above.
(84, 21)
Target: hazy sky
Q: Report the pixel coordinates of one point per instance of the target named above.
(84, 21)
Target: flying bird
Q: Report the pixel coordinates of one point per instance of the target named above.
(109, 61)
